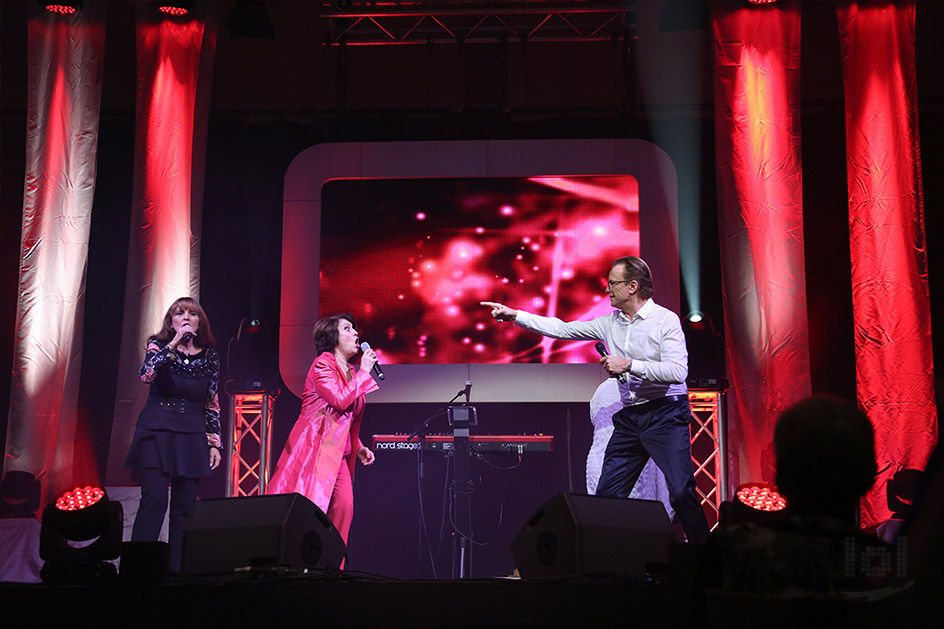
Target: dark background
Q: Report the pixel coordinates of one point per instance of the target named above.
(274, 97)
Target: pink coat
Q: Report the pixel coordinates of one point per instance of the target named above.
(332, 407)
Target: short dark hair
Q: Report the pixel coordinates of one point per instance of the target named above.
(635, 268)
(825, 451)
(326, 332)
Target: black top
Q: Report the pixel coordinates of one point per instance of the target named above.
(185, 385)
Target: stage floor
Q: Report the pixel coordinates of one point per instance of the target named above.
(349, 600)
(354, 600)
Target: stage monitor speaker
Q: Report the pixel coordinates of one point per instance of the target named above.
(230, 534)
(579, 534)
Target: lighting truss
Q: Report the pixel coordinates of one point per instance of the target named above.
(249, 443)
(357, 23)
(709, 450)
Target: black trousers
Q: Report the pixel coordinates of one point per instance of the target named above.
(657, 430)
(150, 518)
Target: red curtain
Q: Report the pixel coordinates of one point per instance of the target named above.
(174, 75)
(757, 68)
(64, 60)
(890, 305)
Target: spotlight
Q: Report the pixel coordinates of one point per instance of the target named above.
(705, 350)
(174, 8)
(761, 1)
(19, 495)
(251, 358)
(754, 502)
(761, 496)
(81, 530)
(900, 491)
(63, 7)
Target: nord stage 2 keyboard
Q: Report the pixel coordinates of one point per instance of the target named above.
(481, 443)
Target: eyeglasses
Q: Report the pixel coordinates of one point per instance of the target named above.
(611, 283)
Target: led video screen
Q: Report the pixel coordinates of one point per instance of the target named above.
(412, 259)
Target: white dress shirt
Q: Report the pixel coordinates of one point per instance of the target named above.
(652, 339)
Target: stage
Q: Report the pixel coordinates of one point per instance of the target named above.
(354, 599)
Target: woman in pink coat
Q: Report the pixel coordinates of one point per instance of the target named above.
(318, 459)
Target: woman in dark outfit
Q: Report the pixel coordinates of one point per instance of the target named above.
(177, 438)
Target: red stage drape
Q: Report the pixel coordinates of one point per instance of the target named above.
(757, 68)
(890, 305)
(174, 74)
(64, 62)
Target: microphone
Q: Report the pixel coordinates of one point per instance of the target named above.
(186, 337)
(468, 389)
(601, 348)
(377, 370)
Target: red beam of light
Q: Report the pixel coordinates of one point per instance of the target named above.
(163, 253)
(760, 215)
(167, 135)
(890, 304)
(63, 97)
(616, 191)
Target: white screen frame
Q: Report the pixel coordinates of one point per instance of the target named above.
(301, 227)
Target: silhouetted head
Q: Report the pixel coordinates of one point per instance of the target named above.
(825, 456)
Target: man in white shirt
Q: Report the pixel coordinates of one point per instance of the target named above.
(649, 357)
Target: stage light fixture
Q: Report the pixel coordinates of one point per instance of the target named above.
(753, 502)
(174, 8)
(63, 7)
(761, 1)
(252, 358)
(900, 491)
(706, 359)
(19, 495)
(81, 531)
(761, 497)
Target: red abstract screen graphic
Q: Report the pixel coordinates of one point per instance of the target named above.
(412, 258)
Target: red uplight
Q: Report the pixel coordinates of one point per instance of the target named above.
(79, 498)
(761, 497)
(761, 1)
(172, 10)
(61, 9)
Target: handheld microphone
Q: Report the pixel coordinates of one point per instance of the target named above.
(601, 348)
(377, 370)
(186, 338)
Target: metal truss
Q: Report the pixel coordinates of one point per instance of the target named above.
(358, 23)
(709, 450)
(250, 418)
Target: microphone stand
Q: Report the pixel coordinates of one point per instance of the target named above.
(421, 433)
